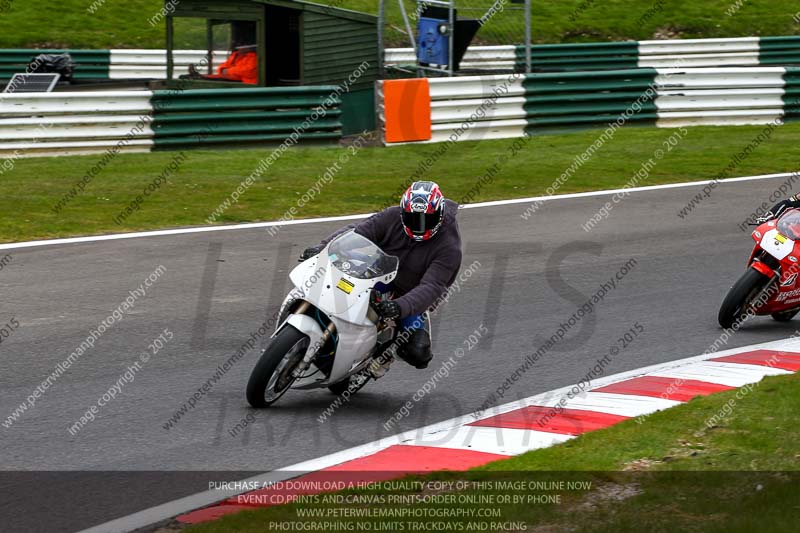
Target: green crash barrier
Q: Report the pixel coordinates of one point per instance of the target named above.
(89, 64)
(791, 96)
(212, 117)
(581, 99)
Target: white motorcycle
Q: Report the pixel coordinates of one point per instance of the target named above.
(328, 332)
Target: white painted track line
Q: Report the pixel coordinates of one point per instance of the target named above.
(452, 430)
(616, 404)
(730, 374)
(257, 225)
(504, 441)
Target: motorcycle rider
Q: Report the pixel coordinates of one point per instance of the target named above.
(793, 202)
(423, 233)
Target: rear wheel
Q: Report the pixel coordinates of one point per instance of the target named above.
(272, 375)
(739, 299)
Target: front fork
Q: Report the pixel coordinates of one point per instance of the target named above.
(295, 311)
(313, 349)
(770, 268)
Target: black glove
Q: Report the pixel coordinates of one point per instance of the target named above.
(308, 253)
(764, 218)
(387, 309)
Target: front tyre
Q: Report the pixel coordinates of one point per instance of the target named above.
(740, 297)
(272, 375)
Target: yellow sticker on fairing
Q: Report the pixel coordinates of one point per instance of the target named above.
(345, 285)
(780, 238)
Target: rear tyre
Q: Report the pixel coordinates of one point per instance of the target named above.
(737, 302)
(785, 316)
(272, 375)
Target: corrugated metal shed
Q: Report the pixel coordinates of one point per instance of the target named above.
(337, 48)
(335, 44)
(327, 45)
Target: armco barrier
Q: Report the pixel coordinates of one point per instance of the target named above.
(152, 64)
(502, 106)
(234, 116)
(126, 64)
(83, 122)
(89, 64)
(678, 53)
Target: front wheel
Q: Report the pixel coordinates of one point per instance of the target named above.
(272, 375)
(739, 299)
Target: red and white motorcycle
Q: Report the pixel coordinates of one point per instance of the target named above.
(770, 285)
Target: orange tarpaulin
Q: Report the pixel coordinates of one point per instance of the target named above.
(240, 66)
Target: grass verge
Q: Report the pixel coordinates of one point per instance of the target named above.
(198, 182)
(673, 472)
(111, 24)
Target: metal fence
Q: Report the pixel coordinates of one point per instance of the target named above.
(503, 21)
(505, 106)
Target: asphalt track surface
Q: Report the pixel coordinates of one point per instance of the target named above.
(219, 287)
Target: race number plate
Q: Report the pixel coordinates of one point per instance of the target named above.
(345, 286)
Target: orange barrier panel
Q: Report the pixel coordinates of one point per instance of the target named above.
(407, 110)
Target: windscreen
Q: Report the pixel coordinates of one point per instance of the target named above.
(789, 224)
(360, 258)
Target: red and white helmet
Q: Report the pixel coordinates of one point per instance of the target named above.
(423, 210)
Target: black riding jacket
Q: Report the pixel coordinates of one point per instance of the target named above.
(427, 268)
